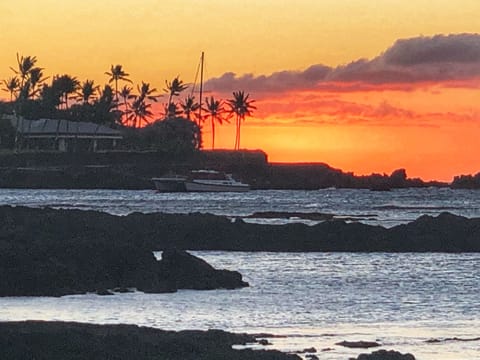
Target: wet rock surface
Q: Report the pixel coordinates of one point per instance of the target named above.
(76, 341)
(55, 253)
(385, 355)
(189, 272)
(47, 230)
(358, 344)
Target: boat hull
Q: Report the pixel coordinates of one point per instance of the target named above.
(193, 186)
(169, 184)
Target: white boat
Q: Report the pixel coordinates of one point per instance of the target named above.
(214, 181)
(173, 183)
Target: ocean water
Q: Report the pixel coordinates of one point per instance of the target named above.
(309, 299)
(403, 301)
(373, 207)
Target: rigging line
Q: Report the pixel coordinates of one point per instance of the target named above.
(205, 75)
(196, 77)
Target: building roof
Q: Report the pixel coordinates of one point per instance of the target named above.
(64, 128)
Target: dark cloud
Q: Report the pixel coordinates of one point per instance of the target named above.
(408, 61)
(278, 81)
(463, 48)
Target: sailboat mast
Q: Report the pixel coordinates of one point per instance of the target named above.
(201, 89)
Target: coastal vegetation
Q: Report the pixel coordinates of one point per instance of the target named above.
(177, 128)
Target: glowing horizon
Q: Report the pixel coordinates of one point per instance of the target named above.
(331, 79)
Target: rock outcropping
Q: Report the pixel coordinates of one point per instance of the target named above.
(47, 231)
(386, 355)
(74, 341)
(56, 252)
(44, 253)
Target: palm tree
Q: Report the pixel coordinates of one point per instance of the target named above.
(50, 98)
(25, 65)
(147, 93)
(216, 111)
(189, 106)
(174, 88)
(171, 111)
(126, 94)
(116, 73)
(104, 106)
(241, 106)
(140, 111)
(87, 91)
(66, 85)
(35, 78)
(12, 85)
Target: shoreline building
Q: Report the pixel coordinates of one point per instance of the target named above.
(63, 135)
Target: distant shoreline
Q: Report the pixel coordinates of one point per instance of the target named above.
(134, 170)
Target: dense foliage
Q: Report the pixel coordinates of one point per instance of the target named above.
(65, 97)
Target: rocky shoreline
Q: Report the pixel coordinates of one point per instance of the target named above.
(75, 341)
(45, 231)
(134, 170)
(56, 252)
(55, 340)
(42, 256)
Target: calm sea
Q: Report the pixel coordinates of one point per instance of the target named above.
(373, 207)
(311, 299)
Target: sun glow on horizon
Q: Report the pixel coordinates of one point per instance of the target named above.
(362, 116)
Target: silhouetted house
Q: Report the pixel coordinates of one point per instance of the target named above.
(64, 135)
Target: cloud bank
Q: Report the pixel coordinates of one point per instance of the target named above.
(422, 59)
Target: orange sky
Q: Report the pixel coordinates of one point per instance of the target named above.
(413, 106)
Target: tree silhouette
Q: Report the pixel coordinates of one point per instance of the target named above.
(66, 85)
(35, 79)
(216, 111)
(146, 93)
(174, 88)
(241, 106)
(117, 73)
(189, 106)
(87, 90)
(139, 112)
(126, 94)
(171, 110)
(177, 135)
(104, 107)
(50, 99)
(12, 85)
(25, 64)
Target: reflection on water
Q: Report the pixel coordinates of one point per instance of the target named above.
(315, 299)
(373, 207)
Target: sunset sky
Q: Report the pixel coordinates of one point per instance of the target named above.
(365, 86)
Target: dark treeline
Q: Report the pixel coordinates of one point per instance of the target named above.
(119, 104)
